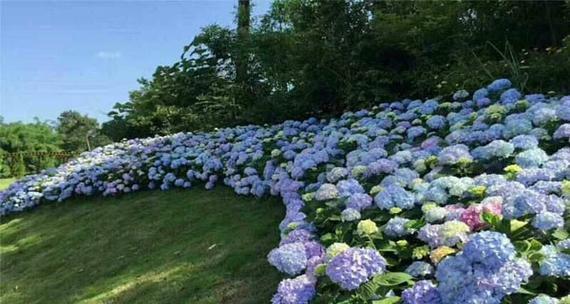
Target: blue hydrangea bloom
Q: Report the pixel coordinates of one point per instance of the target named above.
(531, 158)
(396, 227)
(544, 299)
(327, 192)
(436, 122)
(453, 154)
(423, 292)
(489, 248)
(394, 196)
(524, 142)
(420, 269)
(555, 263)
(359, 201)
(499, 85)
(510, 96)
(547, 221)
(289, 258)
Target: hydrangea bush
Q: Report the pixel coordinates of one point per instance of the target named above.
(438, 201)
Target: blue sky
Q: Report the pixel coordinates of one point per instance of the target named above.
(87, 55)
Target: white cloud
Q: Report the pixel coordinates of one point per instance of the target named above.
(109, 54)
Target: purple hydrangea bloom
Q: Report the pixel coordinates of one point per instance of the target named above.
(300, 290)
(359, 201)
(355, 266)
(349, 187)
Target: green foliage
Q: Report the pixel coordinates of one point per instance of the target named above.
(78, 132)
(27, 148)
(319, 58)
(19, 137)
(19, 167)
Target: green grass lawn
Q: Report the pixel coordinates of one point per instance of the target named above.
(5, 182)
(177, 246)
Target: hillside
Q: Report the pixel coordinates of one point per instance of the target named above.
(459, 199)
(149, 247)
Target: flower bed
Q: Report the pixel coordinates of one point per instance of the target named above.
(413, 201)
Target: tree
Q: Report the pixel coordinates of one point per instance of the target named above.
(18, 139)
(79, 132)
(320, 58)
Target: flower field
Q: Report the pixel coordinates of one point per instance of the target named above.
(438, 201)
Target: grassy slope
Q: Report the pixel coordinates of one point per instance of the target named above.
(5, 182)
(149, 247)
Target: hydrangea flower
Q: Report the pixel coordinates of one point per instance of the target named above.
(447, 234)
(420, 269)
(336, 249)
(489, 248)
(484, 272)
(300, 290)
(510, 96)
(434, 213)
(394, 196)
(349, 215)
(531, 158)
(547, 221)
(396, 227)
(366, 227)
(555, 263)
(423, 292)
(454, 154)
(289, 258)
(562, 132)
(499, 85)
(544, 299)
(524, 142)
(359, 201)
(327, 192)
(355, 266)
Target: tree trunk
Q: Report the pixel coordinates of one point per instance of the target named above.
(243, 36)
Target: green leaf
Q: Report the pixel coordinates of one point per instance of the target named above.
(536, 257)
(393, 278)
(491, 219)
(328, 237)
(389, 300)
(560, 234)
(522, 246)
(524, 291)
(535, 245)
(368, 289)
